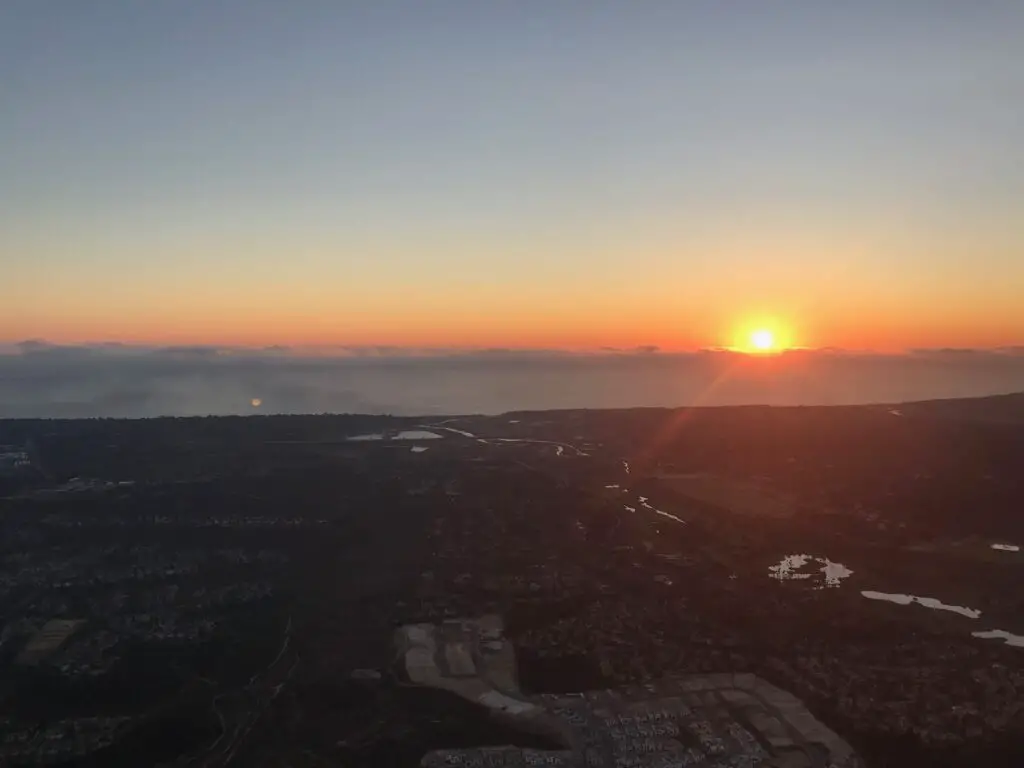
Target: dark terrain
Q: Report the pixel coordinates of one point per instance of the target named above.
(239, 578)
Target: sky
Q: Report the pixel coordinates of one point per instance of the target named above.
(568, 174)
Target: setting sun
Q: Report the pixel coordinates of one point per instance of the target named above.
(762, 340)
(767, 335)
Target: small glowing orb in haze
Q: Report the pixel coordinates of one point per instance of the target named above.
(762, 340)
(256, 402)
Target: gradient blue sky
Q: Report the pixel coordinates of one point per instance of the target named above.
(512, 173)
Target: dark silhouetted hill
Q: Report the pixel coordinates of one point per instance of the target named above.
(1001, 409)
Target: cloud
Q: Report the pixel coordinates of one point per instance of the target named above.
(32, 346)
(194, 352)
(948, 352)
(42, 347)
(42, 379)
(644, 349)
(957, 355)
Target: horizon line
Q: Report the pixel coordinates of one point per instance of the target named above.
(35, 346)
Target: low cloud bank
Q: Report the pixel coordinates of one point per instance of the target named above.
(38, 379)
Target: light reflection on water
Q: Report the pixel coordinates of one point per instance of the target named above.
(647, 505)
(796, 568)
(835, 573)
(790, 569)
(927, 602)
(408, 434)
(786, 570)
(997, 634)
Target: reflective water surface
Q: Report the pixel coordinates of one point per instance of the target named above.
(927, 602)
(998, 634)
(825, 573)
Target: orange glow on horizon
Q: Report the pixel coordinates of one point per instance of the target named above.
(763, 336)
(576, 327)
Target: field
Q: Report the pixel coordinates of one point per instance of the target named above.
(242, 592)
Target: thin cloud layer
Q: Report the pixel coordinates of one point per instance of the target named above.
(38, 379)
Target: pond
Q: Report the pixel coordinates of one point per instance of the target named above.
(825, 574)
(927, 602)
(997, 634)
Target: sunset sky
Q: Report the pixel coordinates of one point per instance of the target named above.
(514, 174)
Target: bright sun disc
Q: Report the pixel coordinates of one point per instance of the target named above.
(762, 340)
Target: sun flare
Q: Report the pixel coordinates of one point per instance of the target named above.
(762, 340)
(763, 337)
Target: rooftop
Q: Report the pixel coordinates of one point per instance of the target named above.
(701, 720)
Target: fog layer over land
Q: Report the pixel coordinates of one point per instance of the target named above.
(45, 380)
